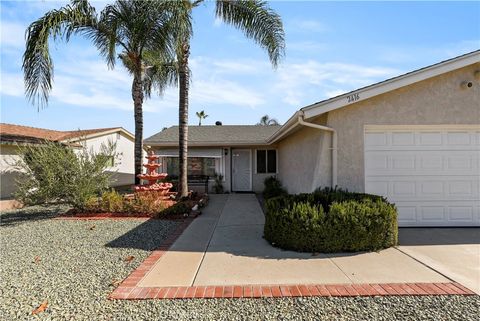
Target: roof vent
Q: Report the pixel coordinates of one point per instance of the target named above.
(218, 123)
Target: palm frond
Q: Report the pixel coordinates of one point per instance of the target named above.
(258, 22)
(37, 65)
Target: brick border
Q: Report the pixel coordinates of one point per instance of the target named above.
(129, 289)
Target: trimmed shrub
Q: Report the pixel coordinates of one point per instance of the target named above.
(331, 220)
(273, 188)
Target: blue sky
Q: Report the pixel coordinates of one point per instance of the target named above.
(332, 47)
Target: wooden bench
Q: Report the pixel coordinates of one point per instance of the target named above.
(192, 180)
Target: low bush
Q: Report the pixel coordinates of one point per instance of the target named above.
(273, 188)
(140, 203)
(331, 220)
(112, 201)
(145, 203)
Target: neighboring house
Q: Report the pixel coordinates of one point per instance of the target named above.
(414, 138)
(13, 136)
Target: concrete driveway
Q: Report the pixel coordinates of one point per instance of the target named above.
(224, 246)
(453, 252)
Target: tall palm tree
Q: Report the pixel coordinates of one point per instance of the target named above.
(139, 30)
(201, 115)
(257, 21)
(267, 121)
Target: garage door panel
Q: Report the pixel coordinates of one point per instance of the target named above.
(438, 213)
(403, 139)
(460, 138)
(393, 163)
(431, 175)
(415, 188)
(430, 139)
(461, 213)
(423, 140)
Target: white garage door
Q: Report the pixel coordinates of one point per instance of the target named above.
(431, 173)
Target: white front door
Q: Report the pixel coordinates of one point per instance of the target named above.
(241, 170)
(431, 173)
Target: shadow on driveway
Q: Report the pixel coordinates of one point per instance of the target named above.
(438, 236)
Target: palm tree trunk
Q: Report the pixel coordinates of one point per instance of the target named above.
(137, 96)
(183, 120)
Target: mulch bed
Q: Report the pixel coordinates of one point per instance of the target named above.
(74, 214)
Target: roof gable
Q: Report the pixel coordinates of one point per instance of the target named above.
(391, 84)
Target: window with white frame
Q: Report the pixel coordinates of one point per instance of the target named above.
(266, 161)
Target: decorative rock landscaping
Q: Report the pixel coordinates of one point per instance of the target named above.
(74, 266)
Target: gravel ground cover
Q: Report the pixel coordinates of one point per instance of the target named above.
(76, 264)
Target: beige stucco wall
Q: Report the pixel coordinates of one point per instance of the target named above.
(438, 100)
(304, 159)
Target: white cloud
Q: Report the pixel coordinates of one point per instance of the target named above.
(333, 93)
(11, 84)
(308, 25)
(12, 34)
(217, 22)
(323, 80)
(235, 67)
(306, 46)
(226, 93)
(421, 55)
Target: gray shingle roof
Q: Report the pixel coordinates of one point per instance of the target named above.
(215, 135)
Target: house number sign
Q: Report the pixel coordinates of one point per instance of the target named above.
(353, 97)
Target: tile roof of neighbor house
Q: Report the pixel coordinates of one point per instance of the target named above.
(215, 135)
(12, 133)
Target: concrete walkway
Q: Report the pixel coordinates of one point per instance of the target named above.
(224, 246)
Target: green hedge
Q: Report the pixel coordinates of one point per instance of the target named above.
(331, 221)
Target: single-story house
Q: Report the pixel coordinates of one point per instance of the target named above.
(223, 150)
(414, 138)
(14, 136)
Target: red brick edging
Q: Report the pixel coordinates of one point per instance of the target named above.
(129, 289)
(131, 292)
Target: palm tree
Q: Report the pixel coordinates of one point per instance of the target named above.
(139, 29)
(201, 115)
(267, 121)
(254, 18)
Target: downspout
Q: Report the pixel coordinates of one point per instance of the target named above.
(301, 121)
